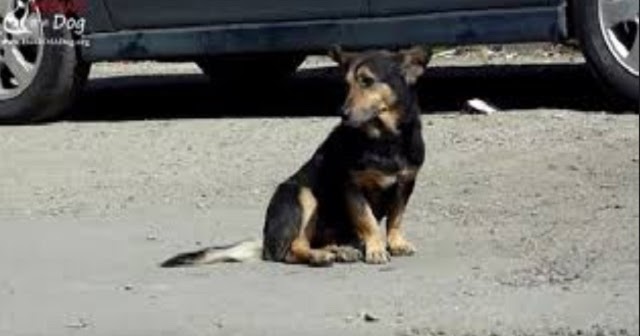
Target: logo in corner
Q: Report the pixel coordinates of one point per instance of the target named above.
(15, 22)
(25, 21)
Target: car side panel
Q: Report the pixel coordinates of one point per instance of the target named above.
(534, 24)
(96, 16)
(395, 7)
(137, 14)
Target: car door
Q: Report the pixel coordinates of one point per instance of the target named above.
(396, 7)
(133, 14)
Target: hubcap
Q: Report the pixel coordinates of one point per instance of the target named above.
(21, 46)
(620, 28)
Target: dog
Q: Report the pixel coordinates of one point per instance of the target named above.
(365, 171)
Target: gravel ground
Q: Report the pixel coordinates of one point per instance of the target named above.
(526, 220)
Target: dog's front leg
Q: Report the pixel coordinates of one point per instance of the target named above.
(367, 227)
(398, 244)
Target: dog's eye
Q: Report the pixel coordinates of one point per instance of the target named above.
(366, 81)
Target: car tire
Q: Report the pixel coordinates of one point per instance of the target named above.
(610, 44)
(56, 72)
(250, 68)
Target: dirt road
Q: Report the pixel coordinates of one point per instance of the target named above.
(526, 220)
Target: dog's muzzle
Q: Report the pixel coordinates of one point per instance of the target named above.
(356, 118)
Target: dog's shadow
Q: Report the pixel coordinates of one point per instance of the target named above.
(320, 93)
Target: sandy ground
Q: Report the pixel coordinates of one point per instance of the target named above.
(526, 220)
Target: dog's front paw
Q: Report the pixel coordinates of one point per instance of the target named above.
(347, 254)
(377, 254)
(400, 247)
(321, 259)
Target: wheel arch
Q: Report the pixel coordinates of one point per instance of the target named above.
(570, 17)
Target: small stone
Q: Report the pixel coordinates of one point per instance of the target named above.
(368, 317)
(79, 324)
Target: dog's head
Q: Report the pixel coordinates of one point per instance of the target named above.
(379, 84)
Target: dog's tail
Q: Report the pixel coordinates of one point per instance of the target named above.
(244, 251)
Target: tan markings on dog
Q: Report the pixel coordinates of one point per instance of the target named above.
(368, 230)
(414, 63)
(390, 119)
(394, 222)
(372, 179)
(408, 174)
(397, 209)
(398, 245)
(301, 246)
(367, 93)
(301, 251)
(344, 253)
(309, 205)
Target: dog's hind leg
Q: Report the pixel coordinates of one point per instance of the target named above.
(290, 227)
(301, 250)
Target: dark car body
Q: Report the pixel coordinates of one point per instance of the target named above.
(169, 29)
(229, 38)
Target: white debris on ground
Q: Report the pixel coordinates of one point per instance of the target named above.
(479, 106)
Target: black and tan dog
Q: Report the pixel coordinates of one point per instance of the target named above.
(330, 210)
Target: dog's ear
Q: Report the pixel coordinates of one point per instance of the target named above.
(341, 57)
(414, 62)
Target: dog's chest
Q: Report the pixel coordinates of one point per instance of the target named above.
(374, 179)
(382, 168)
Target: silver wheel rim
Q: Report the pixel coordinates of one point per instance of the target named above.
(620, 28)
(21, 46)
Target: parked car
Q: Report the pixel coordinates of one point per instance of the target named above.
(48, 45)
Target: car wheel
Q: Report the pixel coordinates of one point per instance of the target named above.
(38, 80)
(250, 68)
(608, 31)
